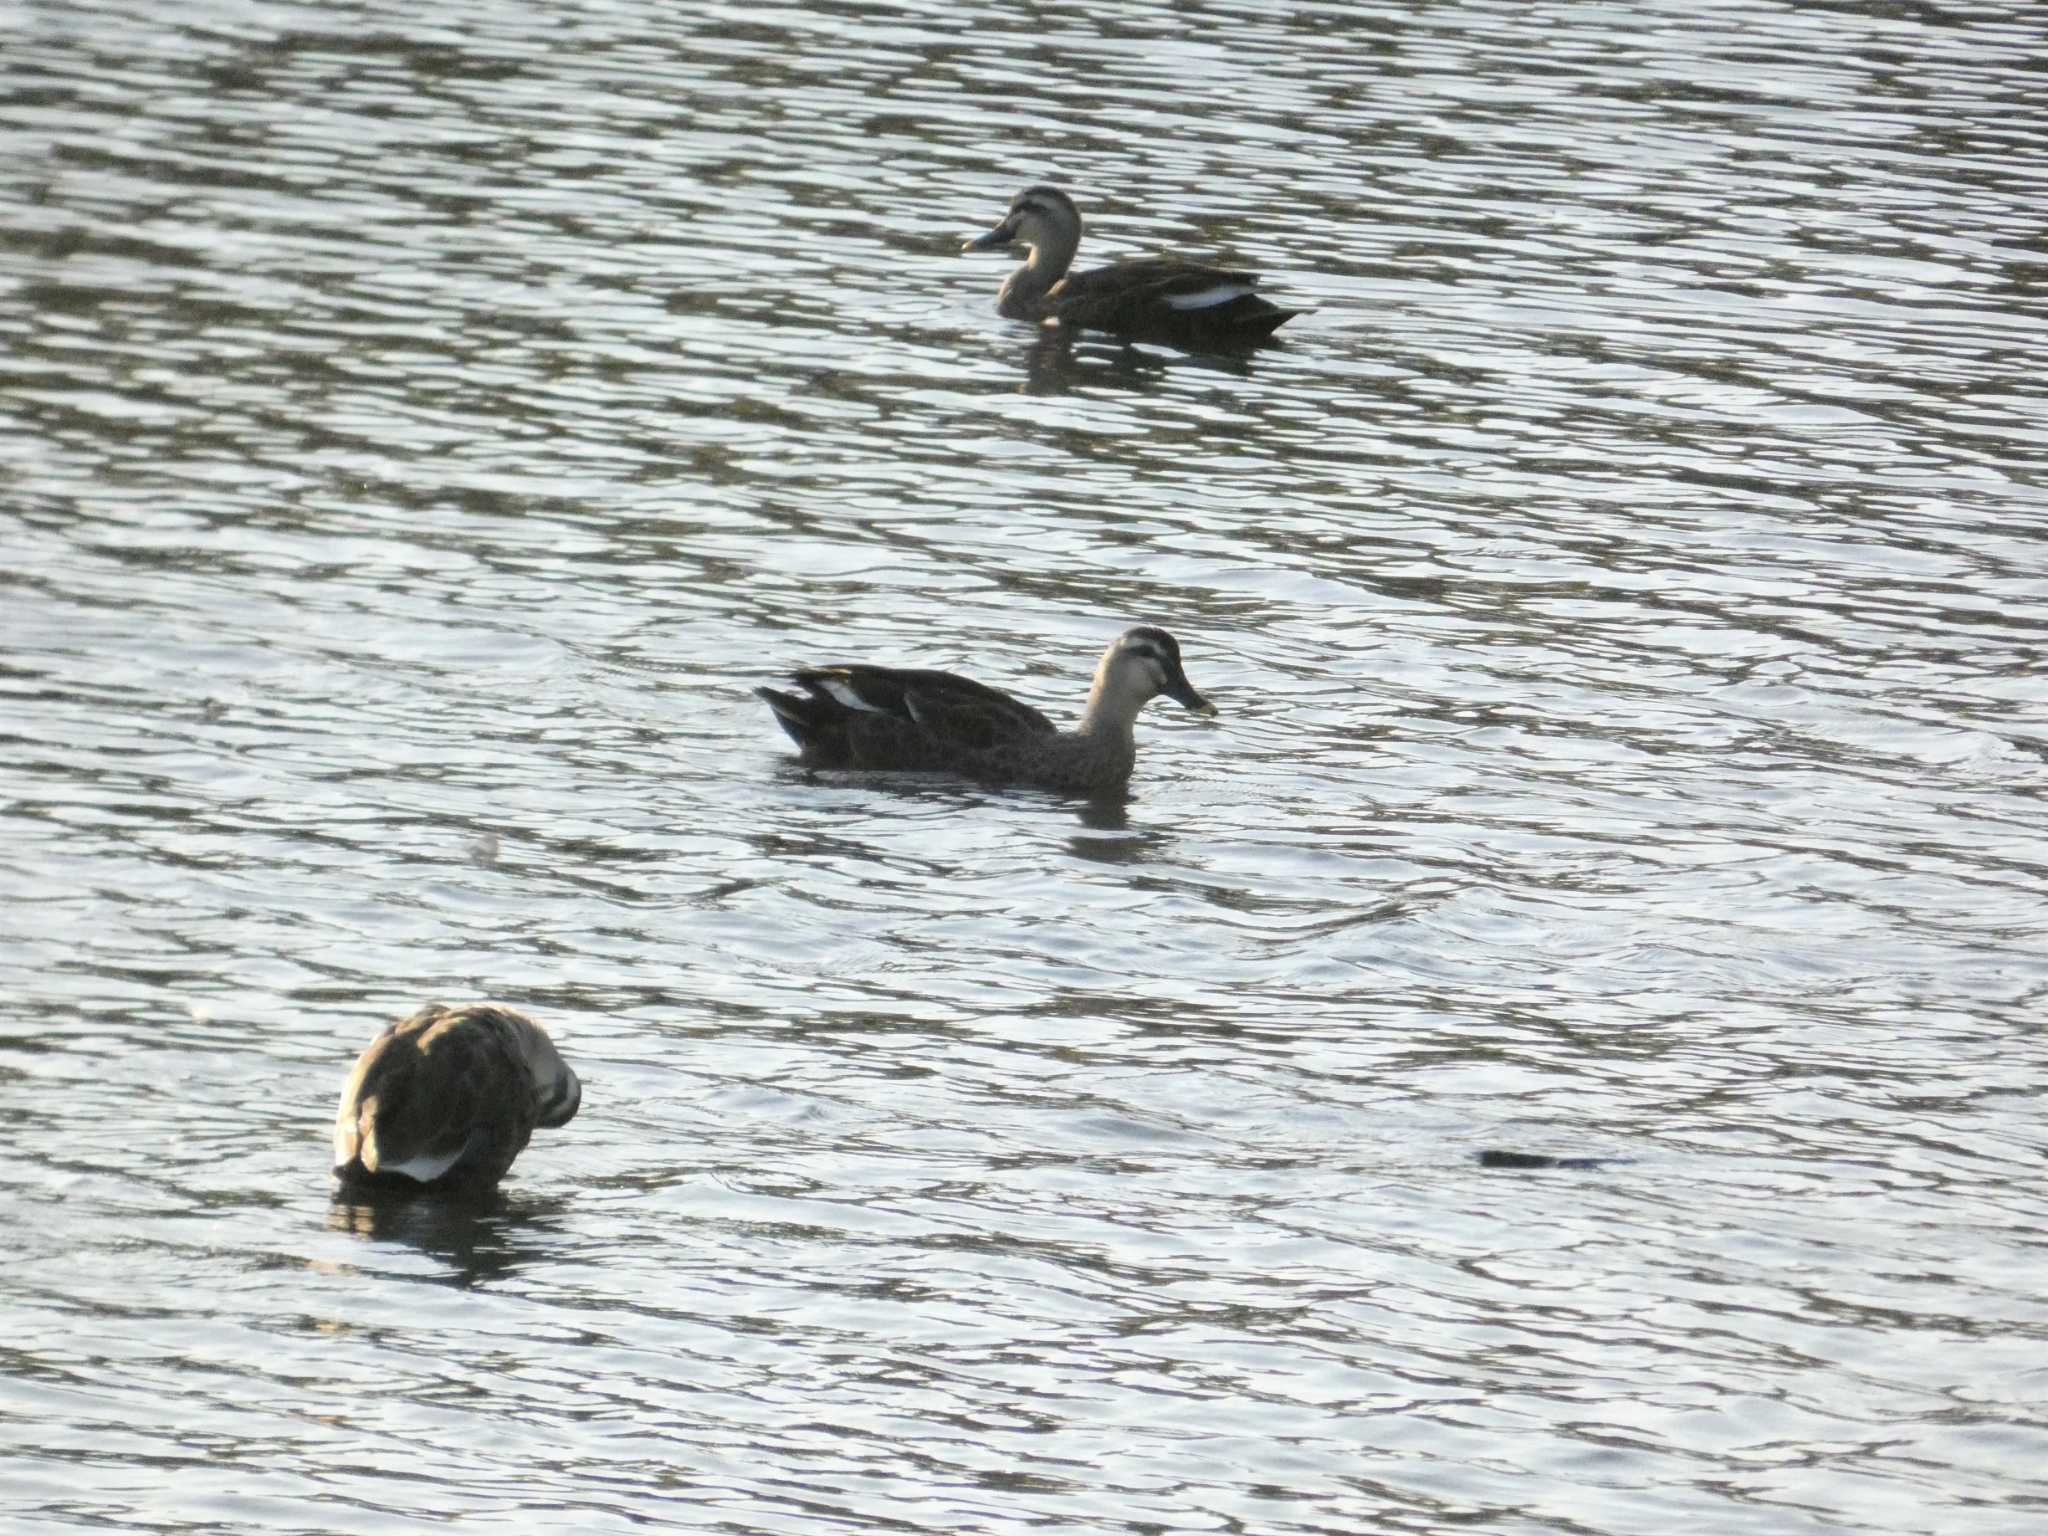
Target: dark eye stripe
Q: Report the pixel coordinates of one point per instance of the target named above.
(1035, 200)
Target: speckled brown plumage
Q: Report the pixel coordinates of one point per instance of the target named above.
(444, 1100)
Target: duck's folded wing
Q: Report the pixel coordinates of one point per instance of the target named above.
(974, 717)
(960, 710)
(422, 1113)
(1107, 298)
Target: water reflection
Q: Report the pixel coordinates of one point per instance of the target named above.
(1107, 813)
(1057, 362)
(949, 795)
(479, 1239)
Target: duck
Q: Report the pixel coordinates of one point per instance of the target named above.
(1161, 298)
(869, 717)
(443, 1100)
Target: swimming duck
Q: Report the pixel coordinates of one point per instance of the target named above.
(444, 1100)
(1156, 299)
(886, 717)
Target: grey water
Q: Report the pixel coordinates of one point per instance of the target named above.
(1625, 595)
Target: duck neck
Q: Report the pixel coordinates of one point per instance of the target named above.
(1109, 715)
(1025, 289)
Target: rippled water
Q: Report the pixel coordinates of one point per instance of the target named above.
(425, 424)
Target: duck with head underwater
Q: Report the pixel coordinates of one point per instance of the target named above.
(1161, 298)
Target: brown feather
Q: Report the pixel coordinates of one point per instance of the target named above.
(446, 1098)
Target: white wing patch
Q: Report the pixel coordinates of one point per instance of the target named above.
(1210, 297)
(425, 1169)
(846, 695)
(423, 1166)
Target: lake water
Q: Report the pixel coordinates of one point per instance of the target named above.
(1626, 596)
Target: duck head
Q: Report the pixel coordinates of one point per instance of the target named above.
(1139, 666)
(1040, 219)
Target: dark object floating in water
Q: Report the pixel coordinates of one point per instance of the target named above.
(443, 1101)
(891, 718)
(1161, 299)
(1531, 1161)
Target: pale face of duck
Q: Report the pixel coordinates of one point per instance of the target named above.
(1139, 666)
(1043, 220)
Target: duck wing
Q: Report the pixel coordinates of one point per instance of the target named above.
(898, 717)
(1166, 298)
(435, 1097)
(943, 704)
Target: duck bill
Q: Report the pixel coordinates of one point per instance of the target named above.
(561, 1109)
(1001, 238)
(1182, 693)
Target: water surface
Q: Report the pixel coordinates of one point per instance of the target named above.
(423, 427)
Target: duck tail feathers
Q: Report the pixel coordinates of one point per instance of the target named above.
(793, 714)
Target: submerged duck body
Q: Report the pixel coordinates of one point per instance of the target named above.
(908, 719)
(1156, 299)
(445, 1099)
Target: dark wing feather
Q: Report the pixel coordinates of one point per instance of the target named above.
(441, 1087)
(905, 718)
(1134, 298)
(1152, 280)
(450, 1096)
(974, 724)
(943, 703)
